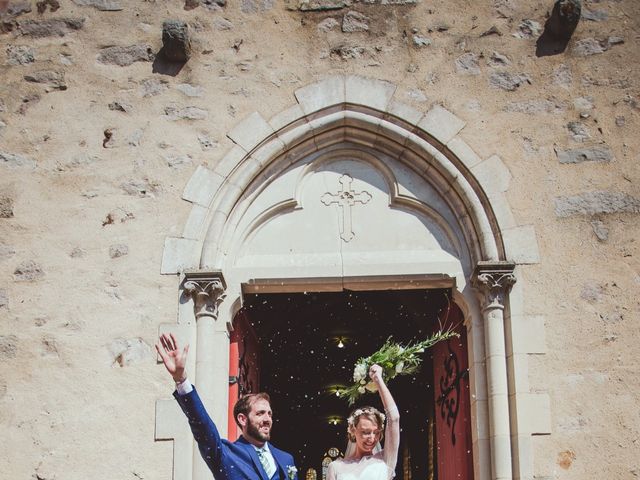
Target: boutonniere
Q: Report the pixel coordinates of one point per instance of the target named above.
(291, 471)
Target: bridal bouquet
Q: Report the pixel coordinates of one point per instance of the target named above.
(395, 359)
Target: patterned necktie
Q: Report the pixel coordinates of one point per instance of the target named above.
(262, 455)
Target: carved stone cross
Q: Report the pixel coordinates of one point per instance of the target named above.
(346, 198)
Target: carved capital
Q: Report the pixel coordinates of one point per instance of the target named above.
(493, 281)
(207, 290)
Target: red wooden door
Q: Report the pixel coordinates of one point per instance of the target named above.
(244, 366)
(452, 416)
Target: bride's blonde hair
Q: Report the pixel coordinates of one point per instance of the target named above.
(370, 413)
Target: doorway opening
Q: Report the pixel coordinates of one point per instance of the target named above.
(307, 346)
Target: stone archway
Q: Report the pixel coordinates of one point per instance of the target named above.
(347, 143)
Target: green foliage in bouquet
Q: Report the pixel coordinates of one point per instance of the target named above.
(395, 359)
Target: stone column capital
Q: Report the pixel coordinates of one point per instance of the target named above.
(207, 290)
(493, 281)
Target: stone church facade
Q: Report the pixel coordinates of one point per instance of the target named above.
(315, 146)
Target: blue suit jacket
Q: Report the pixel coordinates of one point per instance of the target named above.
(228, 460)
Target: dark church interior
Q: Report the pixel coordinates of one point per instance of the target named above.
(309, 343)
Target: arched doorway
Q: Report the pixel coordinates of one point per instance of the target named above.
(309, 342)
(345, 190)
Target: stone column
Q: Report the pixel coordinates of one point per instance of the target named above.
(493, 281)
(207, 291)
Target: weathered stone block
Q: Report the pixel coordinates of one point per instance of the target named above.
(58, 27)
(598, 202)
(311, 5)
(175, 112)
(125, 56)
(118, 250)
(128, 351)
(580, 155)
(508, 81)
(13, 160)
(176, 41)
(355, 22)
(467, 64)
(104, 5)
(52, 79)
(20, 55)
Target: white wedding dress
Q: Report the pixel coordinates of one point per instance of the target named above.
(371, 467)
(379, 466)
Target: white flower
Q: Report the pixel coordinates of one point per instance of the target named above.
(401, 349)
(399, 366)
(359, 372)
(361, 390)
(291, 471)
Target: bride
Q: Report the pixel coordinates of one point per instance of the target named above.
(364, 459)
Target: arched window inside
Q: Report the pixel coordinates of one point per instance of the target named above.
(329, 456)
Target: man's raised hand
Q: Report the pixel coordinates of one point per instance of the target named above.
(174, 359)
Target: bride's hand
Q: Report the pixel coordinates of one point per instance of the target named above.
(375, 372)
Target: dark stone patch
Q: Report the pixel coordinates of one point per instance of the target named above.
(578, 131)
(27, 102)
(8, 346)
(6, 206)
(20, 55)
(42, 5)
(58, 27)
(125, 56)
(28, 271)
(140, 188)
(53, 80)
(118, 250)
(316, 5)
(176, 41)
(120, 107)
(77, 252)
(559, 28)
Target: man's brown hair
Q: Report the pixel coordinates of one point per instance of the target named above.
(243, 405)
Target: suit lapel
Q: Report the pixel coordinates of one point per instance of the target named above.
(254, 457)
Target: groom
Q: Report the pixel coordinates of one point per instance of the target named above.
(250, 457)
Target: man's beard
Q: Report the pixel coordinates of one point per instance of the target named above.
(254, 432)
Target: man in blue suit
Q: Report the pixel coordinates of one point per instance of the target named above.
(251, 457)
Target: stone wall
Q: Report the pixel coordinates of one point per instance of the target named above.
(99, 136)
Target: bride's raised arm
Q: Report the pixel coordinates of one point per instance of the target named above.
(392, 429)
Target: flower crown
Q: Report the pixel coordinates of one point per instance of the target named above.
(351, 421)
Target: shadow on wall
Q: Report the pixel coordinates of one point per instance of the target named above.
(559, 28)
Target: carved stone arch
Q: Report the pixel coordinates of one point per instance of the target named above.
(356, 114)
